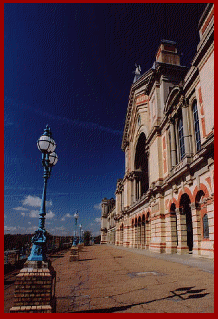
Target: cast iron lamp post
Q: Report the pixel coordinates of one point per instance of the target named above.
(49, 158)
(76, 216)
(82, 236)
(80, 232)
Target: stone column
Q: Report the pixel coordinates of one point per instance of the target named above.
(196, 224)
(182, 247)
(134, 189)
(173, 143)
(136, 236)
(139, 236)
(116, 235)
(171, 234)
(185, 129)
(148, 234)
(127, 234)
(142, 235)
(132, 235)
(140, 188)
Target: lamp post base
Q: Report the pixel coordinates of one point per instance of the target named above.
(74, 253)
(35, 288)
(38, 251)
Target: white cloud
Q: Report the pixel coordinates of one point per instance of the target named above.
(50, 215)
(34, 201)
(21, 208)
(97, 206)
(23, 214)
(10, 228)
(59, 231)
(20, 230)
(34, 214)
(97, 220)
(66, 216)
(30, 229)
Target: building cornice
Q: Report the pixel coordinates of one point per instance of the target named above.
(143, 80)
(203, 46)
(147, 79)
(204, 14)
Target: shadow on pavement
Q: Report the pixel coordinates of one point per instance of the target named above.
(181, 294)
(87, 259)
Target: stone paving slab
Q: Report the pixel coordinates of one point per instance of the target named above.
(112, 280)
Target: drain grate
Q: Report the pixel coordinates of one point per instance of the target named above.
(145, 273)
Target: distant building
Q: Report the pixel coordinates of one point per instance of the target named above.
(165, 201)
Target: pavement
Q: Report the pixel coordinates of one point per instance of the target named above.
(111, 279)
(202, 263)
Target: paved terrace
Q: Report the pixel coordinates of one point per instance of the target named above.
(121, 280)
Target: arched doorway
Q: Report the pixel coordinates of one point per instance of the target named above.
(185, 209)
(141, 167)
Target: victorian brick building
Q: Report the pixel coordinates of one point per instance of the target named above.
(165, 201)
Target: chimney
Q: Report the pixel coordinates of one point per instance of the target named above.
(167, 53)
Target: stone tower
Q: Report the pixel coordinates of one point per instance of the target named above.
(106, 206)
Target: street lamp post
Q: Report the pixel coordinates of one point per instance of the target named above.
(80, 234)
(49, 158)
(76, 216)
(82, 231)
(37, 294)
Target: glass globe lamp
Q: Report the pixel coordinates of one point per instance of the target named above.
(45, 143)
(53, 158)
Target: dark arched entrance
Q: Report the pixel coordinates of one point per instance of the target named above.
(185, 209)
(141, 165)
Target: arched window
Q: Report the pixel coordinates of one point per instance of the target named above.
(205, 226)
(185, 209)
(141, 165)
(181, 138)
(196, 126)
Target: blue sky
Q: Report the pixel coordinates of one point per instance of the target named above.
(71, 66)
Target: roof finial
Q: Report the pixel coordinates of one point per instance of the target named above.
(137, 73)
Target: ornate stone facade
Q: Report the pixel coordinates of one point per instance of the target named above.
(165, 202)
